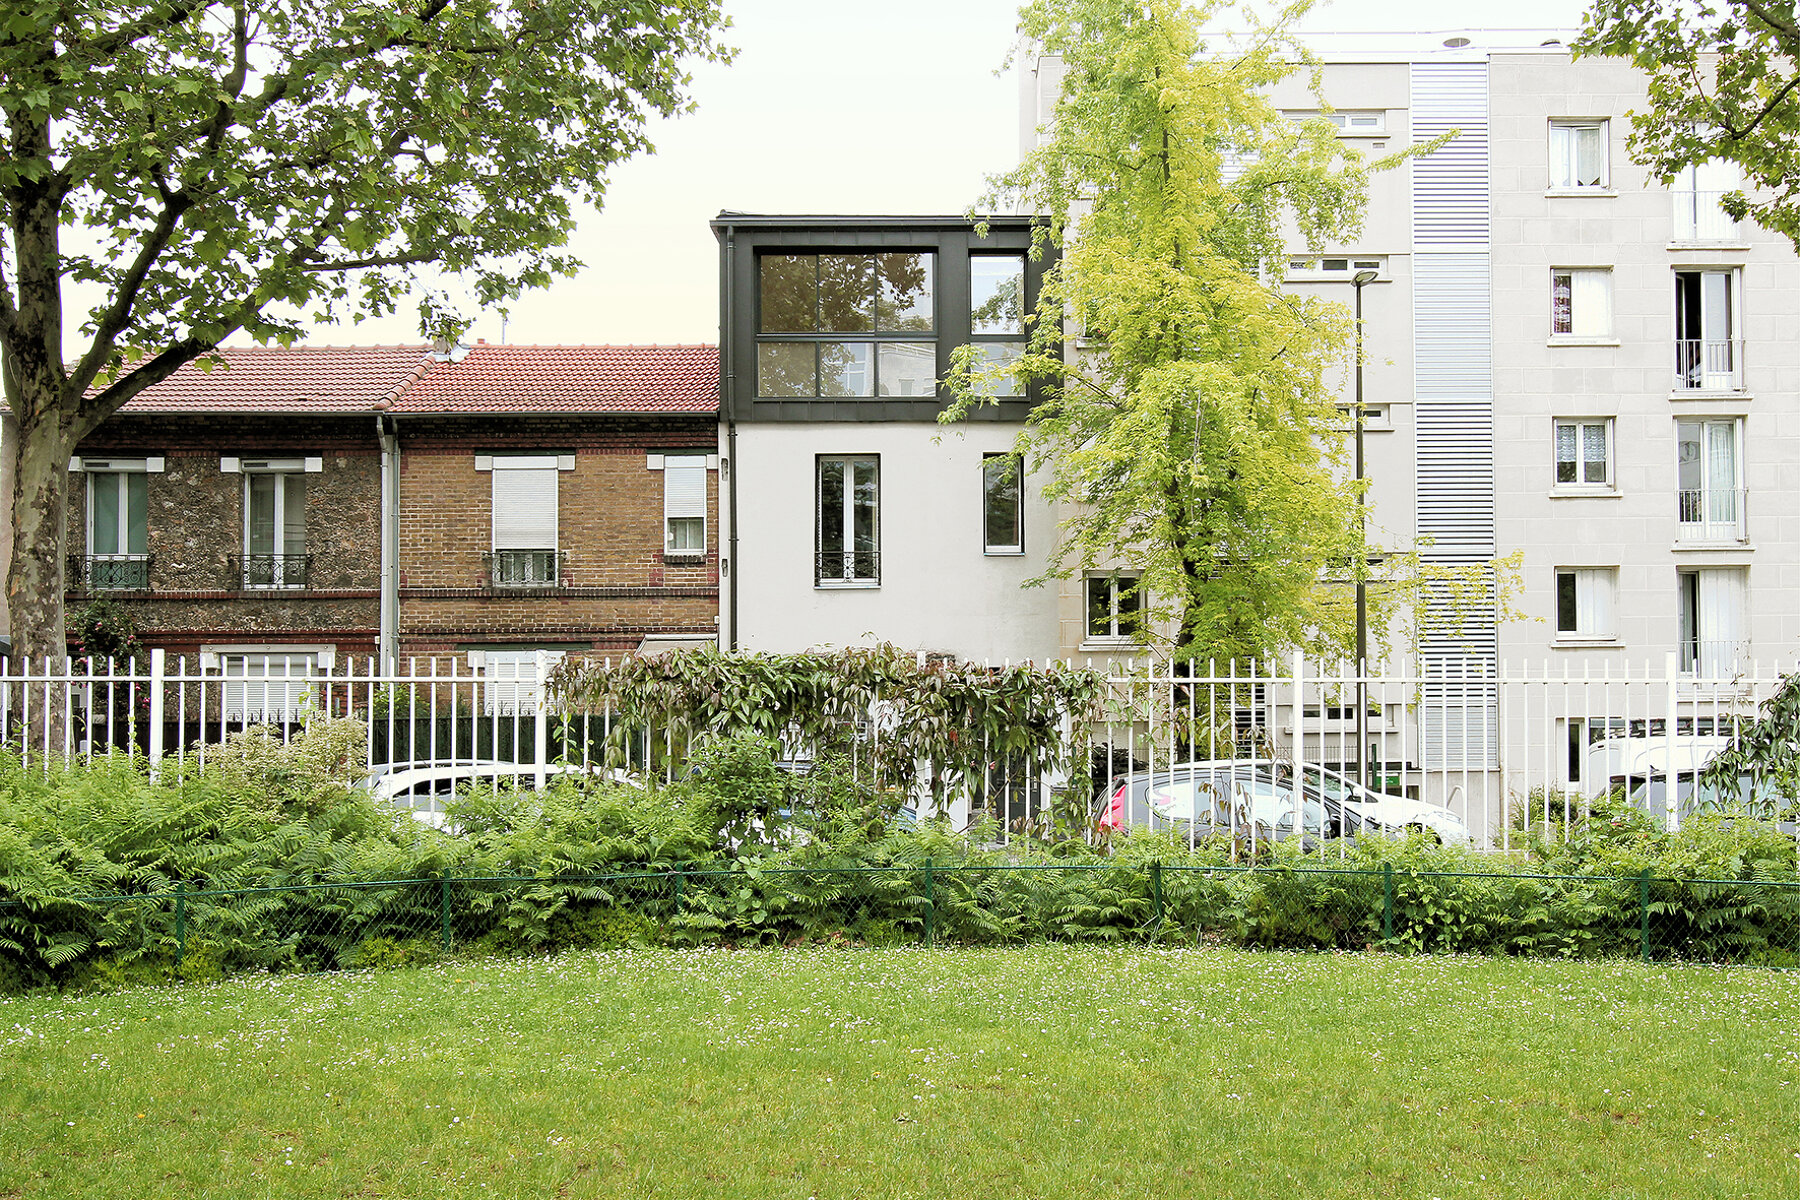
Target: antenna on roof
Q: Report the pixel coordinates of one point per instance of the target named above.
(503, 329)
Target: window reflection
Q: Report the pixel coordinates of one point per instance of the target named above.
(907, 368)
(868, 296)
(997, 293)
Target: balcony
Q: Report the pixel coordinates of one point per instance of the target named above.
(263, 572)
(1698, 218)
(1715, 659)
(1711, 515)
(847, 568)
(522, 568)
(108, 572)
(1709, 365)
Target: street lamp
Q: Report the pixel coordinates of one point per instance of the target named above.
(1358, 281)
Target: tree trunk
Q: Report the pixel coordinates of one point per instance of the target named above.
(40, 515)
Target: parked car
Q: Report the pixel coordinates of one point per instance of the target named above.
(1198, 800)
(1643, 778)
(425, 789)
(1381, 812)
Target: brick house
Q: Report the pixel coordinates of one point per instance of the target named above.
(559, 498)
(297, 511)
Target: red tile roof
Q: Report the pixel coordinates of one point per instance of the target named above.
(411, 379)
(568, 379)
(275, 379)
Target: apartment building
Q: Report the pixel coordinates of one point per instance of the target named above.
(1566, 359)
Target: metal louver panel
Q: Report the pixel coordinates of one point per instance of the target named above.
(1450, 187)
(1453, 439)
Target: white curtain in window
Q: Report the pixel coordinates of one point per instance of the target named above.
(1591, 302)
(1721, 471)
(525, 503)
(1721, 604)
(1594, 602)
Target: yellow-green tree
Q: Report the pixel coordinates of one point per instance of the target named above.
(1186, 417)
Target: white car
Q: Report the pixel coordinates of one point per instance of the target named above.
(1388, 813)
(424, 789)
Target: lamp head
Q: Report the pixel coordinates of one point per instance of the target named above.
(1362, 277)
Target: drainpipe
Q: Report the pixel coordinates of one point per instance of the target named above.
(389, 435)
(728, 394)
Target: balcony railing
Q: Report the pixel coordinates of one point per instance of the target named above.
(1710, 515)
(109, 572)
(254, 572)
(1709, 365)
(847, 567)
(1698, 218)
(522, 568)
(1715, 659)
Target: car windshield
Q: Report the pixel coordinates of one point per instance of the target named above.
(1271, 804)
(1179, 798)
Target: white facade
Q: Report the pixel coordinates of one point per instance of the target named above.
(937, 589)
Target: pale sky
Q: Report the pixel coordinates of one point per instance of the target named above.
(832, 106)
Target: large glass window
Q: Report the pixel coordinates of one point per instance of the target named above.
(274, 529)
(849, 520)
(846, 325)
(118, 530)
(1002, 503)
(1708, 481)
(997, 315)
(1114, 607)
(1706, 331)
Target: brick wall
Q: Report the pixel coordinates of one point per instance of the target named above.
(616, 584)
(196, 522)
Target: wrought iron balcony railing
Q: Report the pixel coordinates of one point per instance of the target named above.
(109, 572)
(1710, 515)
(523, 568)
(840, 567)
(254, 572)
(1711, 364)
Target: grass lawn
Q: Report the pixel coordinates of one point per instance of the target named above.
(1035, 1071)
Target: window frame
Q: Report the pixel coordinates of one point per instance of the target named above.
(281, 573)
(319, 661)
(850, 581)
(989, 547)
(1570, 158)
(1695, 531)
(1115, 635)
(874, 338)
(992, 339)
(686, 460)
(126, 569)
(543, 461)
(1573, 335)
(1584, 602)
(1690, 365)
(1582, 486)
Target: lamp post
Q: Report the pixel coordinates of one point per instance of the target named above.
(1358, 281)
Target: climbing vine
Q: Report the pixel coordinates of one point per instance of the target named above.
(896, 711)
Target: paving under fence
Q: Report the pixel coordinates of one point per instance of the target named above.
(202, 933)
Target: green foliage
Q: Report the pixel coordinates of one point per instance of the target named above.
(1193, 435)
(1721, 79)
(309, 772)
(107, 632)
(891, 708)
(1768, 750)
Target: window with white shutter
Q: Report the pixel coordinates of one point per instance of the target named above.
(1584, 603)
(525, 499)
(684, 504)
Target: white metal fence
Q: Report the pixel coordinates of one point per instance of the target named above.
(1504, 749)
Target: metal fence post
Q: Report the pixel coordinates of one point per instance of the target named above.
(180, 924)
(675, 887)
(158, 662)
(930, 908)
(1644, 913)
(1387, 905)
(541, 724)
(444, 909)
(1156, 893)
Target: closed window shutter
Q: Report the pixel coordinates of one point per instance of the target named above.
(525, 503)
(684, 486)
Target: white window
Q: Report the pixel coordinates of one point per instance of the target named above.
(512, 687)
(1578, 155)
(1115, 605)
(1003, 503)
(1712, 621)
(269, 687)
(118, 530)
(1696, 191)
(1581, 302)
(1706, 331)
(525, 510)
(274, 525)
(1584, 454)
(1361, 123)
(1709, 480)
(849, 520)
(684, 504)
(1334, 268)
(1584, 602)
